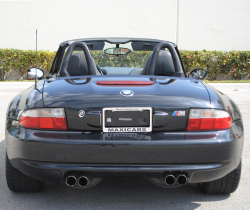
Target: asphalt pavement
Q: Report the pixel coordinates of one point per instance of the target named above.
(127, 193)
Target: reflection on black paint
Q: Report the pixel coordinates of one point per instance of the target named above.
(236, 111)
(13, 128)
(14, 107)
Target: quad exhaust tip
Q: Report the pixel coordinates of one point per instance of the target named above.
(170, 180)
(181, 179)
(71, 181)
(83, 181)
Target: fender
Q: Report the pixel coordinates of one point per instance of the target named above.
(28, 99)
(221, 101)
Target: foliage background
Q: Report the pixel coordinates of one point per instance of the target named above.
(21, 60)
(234, 63)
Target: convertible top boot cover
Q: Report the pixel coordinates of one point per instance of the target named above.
(165, 95)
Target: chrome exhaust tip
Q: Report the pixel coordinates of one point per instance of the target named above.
(181, 179)
(170, 180)
(71, 181)
(83, 181)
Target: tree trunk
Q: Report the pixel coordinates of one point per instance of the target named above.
(2, 74)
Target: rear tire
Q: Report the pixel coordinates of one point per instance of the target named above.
(225, 185)
(18, 182)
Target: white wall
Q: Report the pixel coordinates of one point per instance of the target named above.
(203, 24)
(214, 24)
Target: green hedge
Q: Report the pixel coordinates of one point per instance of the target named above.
(234, 63)
(21, 60)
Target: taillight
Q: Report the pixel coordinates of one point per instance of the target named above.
(44, 119)
(208, 119)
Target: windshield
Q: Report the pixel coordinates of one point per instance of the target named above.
(135, 59)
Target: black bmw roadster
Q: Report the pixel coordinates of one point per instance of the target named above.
(122, 107)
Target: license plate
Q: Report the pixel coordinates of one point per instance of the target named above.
(127, 120)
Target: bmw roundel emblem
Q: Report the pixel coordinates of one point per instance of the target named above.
(127, 93)
(81, 113)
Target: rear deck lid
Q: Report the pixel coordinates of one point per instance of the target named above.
(170, 98)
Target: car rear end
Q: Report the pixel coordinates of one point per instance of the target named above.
(167, 130)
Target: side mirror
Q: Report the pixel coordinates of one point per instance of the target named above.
(32, 73)
(198, 73)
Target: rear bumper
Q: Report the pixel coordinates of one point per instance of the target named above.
(49, 155)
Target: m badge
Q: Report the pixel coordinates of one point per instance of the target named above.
(179, 113)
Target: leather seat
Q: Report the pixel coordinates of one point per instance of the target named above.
(164, 64)
(78, 65)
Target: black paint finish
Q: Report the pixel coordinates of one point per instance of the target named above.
(166, 95)
(182, 93)
(50, 155)
(37, 150)
(28, 99)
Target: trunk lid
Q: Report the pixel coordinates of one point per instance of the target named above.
(173, 97)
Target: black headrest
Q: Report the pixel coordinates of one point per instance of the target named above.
(164, 64)
(77, 65)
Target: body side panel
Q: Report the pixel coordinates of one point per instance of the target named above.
(28, 99)
(221, 101)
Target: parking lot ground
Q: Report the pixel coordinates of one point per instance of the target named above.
(127, 193)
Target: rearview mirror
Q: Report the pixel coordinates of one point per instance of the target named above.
(32, 73)
(117, 51)
(198, 73)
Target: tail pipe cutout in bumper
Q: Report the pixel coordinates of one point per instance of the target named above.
(171, 180)
(81, 181)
